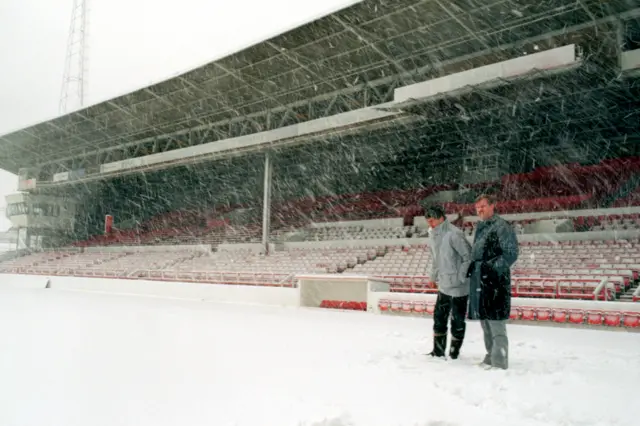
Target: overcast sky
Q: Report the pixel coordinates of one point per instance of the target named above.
(131, 44)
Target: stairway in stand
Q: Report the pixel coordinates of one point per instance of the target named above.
(627, 296)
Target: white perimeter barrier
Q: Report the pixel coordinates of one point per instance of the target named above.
(310, 292)
(208, 292)
(24, 281)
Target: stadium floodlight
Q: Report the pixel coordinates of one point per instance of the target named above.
(486, 77)
(630, 62)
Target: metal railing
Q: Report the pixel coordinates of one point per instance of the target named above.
(561, 288)
(273, 279)
(620, 281)
(551, 287)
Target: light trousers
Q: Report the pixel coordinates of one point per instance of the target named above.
(496, 342)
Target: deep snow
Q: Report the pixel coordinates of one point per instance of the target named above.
(82, 359)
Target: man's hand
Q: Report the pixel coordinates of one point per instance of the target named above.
(432, 284)
(472, 267)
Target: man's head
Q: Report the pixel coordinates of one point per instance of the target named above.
(435, 216)
(485, 206)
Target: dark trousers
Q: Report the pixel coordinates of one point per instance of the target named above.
(457, 308)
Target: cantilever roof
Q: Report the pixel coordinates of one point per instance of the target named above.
(363, 43)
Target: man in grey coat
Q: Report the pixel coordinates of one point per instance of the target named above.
(495, 249)
(451, 257)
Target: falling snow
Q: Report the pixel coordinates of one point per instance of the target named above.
(548, 144)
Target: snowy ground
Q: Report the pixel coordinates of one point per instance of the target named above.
(79, 359)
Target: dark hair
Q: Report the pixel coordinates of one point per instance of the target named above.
(434, 212)
(491, 199)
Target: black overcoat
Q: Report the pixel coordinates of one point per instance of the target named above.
(495, 249)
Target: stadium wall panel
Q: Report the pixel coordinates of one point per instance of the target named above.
(273, 296)
(23, 281)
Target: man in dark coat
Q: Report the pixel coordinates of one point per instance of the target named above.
(451, 257)
(495, 249)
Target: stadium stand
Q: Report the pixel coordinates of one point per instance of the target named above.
(357, 233)
(590, 270)
(279, 268)
(544, 190)
(321, 129)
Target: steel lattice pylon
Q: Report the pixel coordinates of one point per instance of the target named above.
(74, 78)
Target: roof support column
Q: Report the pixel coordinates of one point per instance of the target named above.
(266, 206)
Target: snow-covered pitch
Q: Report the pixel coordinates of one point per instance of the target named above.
(79, 359)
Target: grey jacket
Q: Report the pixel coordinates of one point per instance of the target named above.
(451, 253)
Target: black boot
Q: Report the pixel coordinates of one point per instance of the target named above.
(456, 344)
(439, 345)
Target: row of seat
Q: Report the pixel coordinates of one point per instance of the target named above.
(554, 271)
(551, 244)
(340, 304)
(621, 280)
(111, 264)
(357, 233)
(549, 287)
(267, 279)
(215, 235)
(228, 234)
(190, 263)
(318, 260)
(525, 313)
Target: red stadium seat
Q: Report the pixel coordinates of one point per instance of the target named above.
(515, 314)
(384, 305)
(543, 314)
(559, 316)
(431, 308)
(528, 314)
(631, 319)
(407, 306)
(396, 305)
(576, 316)
(595, 318)
(612, 319)
(419, 307)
